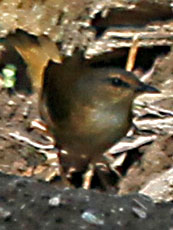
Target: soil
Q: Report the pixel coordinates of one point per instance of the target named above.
(29, 204)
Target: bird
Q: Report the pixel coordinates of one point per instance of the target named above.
(87, 108)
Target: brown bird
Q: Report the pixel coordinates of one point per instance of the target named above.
(87, 108)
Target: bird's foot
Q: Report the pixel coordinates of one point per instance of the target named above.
(102, 172)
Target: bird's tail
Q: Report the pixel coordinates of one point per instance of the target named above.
(36, 53)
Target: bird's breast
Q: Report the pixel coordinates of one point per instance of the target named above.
(96, 127)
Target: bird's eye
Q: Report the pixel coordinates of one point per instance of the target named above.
(117, 82)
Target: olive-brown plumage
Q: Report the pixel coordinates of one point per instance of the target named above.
(87, 109)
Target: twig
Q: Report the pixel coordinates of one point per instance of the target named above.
(30, 142)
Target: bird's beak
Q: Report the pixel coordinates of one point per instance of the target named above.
(147, 89)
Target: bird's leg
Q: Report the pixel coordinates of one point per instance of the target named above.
(132, 54)
(87, 177)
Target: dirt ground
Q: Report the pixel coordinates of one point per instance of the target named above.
(29, 204)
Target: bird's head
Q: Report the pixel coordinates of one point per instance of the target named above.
(111, 85)
(121, 84)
